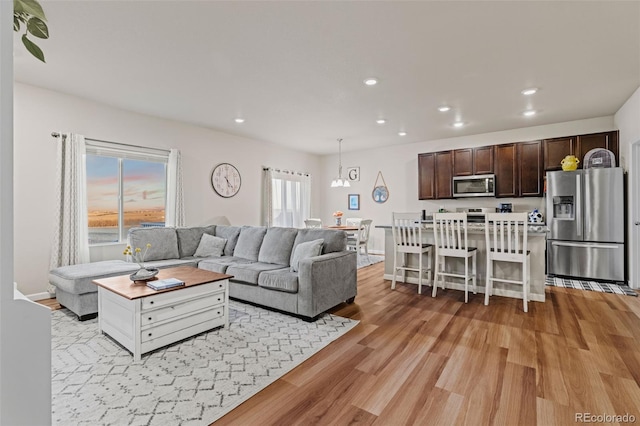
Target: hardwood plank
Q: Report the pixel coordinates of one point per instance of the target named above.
(518, 398)
(419, 360)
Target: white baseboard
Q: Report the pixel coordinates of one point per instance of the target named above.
(480, 289)
(38, 296)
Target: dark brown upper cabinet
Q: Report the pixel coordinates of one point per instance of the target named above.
(444, 174)
(506, 168)
(558, 148)
(473, 161)
(531, 169)
(435, 173)
(427, 176)
(606, 140)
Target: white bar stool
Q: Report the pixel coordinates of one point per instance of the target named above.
(407, 238)
(506, 237)
(450, 233)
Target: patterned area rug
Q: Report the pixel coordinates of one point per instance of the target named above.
(193, 382)
(364, 260)
(591, 285)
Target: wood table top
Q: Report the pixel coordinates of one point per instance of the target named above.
(123, 286)
(344, 227)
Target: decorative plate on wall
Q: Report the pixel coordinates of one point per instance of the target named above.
(380, 193)
(225, 180)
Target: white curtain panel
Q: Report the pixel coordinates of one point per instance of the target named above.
(71, 234)
(174, 214)
(287, 198)
(267, 197)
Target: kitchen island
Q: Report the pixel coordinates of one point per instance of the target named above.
(475, 234)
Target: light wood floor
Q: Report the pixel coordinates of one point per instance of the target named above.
(419, 360)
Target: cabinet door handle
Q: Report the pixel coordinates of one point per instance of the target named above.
(149, 318)
(151, 303)
(150, 334)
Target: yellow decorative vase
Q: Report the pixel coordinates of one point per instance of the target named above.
(569, 163)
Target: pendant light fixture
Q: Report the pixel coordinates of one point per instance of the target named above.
(339, 182)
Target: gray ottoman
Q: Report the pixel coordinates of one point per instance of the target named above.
(75, 289)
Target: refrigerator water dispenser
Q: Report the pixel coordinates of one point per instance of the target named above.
(563, 207)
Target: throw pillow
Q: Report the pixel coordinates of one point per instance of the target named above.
(305, 251)
(210, 246)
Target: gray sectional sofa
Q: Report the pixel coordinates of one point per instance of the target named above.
(272, 267)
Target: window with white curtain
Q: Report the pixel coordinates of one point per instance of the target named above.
(126, 187)
(287, 198)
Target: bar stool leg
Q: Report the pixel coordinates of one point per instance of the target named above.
(466, 279)
(395, 269)
(419, 273)
(474, 271)
(435, 275)
(489, 275)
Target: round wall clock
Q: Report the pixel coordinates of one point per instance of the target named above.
(225, 180)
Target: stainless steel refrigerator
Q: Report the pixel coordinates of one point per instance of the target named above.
(585, 215)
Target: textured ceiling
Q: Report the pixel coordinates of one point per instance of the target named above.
(294, 70)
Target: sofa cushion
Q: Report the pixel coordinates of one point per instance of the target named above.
(248, 273)
(189, 238)
(77, 279)
(304, 251)
(249, 242)
(230, 233)
(210, 245)
(220, 264)
(164, 242)
(280, 280)
(334, 240)
(277, 246)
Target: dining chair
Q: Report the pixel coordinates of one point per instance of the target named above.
(506, 237)
(353, 221)
(450, 233)
(313, 223)
(361, 238)
(407, 239)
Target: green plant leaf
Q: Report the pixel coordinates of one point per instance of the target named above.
(16, 23)
(38, 28)
(32, 48)
(32, 7)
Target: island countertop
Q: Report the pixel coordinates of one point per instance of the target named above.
(534, 229)
(476, 235)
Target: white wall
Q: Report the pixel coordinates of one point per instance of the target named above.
(627, 119)
(399, 166)
(38, 112)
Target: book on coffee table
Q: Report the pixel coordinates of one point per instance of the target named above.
(165, 283)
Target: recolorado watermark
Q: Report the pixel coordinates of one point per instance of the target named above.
(604, 418)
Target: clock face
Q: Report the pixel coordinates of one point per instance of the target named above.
(225, 180)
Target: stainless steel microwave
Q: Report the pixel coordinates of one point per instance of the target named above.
(474, 186)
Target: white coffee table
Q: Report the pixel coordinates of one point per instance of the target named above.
(142, 319)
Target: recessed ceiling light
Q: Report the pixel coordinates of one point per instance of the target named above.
(529, 112)
(458, 124)
(239, 120)
(444, 108)
(530, 91)
(371, 81)
(402, 133)
(381, 121)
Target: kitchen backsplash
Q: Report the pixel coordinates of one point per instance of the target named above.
(519, 204)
